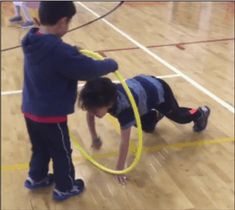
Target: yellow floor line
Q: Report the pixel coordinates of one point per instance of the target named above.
(197, 143)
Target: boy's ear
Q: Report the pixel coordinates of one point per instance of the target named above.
(62, 21)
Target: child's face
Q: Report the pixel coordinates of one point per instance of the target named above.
(100, 112)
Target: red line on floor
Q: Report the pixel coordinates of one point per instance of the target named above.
(166, 45)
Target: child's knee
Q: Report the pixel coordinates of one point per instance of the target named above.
(148, 129)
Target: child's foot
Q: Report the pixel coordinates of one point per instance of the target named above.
(78, 188)
(27, 24)
(46, 182)
(15, 19)
(201, 123)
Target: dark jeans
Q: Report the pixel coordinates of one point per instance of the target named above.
(170, 109)
(149, 121)
(51, 141)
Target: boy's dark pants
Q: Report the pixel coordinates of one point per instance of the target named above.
(170, 108)
(51, 140)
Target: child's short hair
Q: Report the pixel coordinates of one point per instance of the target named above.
(52, 11)
(97, 93)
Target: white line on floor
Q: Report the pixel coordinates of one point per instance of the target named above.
(15, 92)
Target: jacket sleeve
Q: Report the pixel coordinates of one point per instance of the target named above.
(74, 65)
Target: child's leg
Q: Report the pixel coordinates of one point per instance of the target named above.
(28, 20)
(150, 120)
(17, 18)
(183, 115)
(54, 138)
(17, 10)
(40, 154)
(173, 111)
(64, 174)
(25, 10)
(60, 150)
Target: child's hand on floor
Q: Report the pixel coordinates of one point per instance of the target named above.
(96, 143)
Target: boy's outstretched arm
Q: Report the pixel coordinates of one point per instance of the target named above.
(123, 151)
(96, 142)
(76, 66)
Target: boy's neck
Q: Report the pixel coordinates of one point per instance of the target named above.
(48, 30)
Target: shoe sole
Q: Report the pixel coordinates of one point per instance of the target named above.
(56, 198)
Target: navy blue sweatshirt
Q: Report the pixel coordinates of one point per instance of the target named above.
(51, 71)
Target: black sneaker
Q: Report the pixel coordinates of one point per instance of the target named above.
(15, 19)
(77, 188)
(201, 123)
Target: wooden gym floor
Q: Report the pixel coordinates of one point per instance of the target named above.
(191, 45)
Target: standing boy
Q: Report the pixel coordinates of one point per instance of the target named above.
(51, 71)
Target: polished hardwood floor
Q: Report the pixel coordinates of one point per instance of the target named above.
(192, 46)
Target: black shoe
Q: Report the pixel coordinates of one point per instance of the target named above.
(201, 123)
(77, 188)
(15, 19)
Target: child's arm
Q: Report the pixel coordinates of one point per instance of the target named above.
(74, 65)
(123, 150)
(96, 142)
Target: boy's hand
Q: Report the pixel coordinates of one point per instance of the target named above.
(96, 143)
(78, 48)
(122, 179)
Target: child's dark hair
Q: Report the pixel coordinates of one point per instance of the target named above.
(97, 93)
(52, 11)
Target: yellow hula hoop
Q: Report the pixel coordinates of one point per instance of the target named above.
(137, 118)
